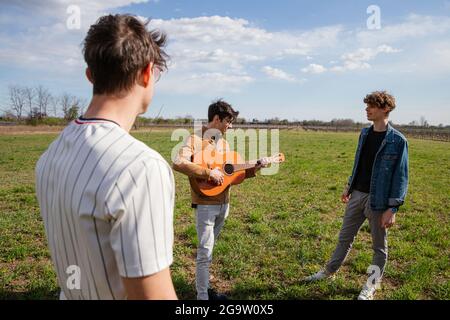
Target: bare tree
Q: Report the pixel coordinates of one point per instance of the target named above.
(66, 102)
(29, 99)
(72, 106)
(43, 98)
(82, 104)
(17, 99)
(423, 122)
(54, 102)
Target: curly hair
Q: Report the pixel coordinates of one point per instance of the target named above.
(381, 99)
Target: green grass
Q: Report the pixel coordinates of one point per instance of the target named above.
(280, 228)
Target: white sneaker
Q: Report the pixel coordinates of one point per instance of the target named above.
(321, 275)
(367, 293)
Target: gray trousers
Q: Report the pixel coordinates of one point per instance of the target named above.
(357, 211)
(209, 221)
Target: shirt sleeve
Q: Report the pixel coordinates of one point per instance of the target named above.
(141, 208)
(355, 160)
(399, 185)
(183, 162)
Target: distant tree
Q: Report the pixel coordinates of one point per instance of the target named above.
(37, 114)
(72, 113)
(187, 119)
(17, 99)
(275, 120)
(8, 115)
(71, 106)
(54, 102)
(83, 105)
(29, 99)
(43, 99)
(423, 122)
(342, 122)
(66, 101)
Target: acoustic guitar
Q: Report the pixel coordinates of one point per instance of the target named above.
(232, 167)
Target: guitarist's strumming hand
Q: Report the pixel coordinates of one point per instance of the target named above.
(216, 176)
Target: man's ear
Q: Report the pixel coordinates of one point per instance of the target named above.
(147, 74)
(89, 75)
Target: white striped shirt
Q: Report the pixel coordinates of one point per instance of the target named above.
(107, 203)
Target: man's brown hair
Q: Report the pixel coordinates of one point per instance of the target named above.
(222, 109)
(117, 48)
(381, 100)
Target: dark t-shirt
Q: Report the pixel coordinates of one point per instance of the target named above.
(368, 153)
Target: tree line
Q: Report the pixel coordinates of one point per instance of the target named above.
(36, 104)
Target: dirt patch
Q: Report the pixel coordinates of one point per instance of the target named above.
(28, 130)
(17, 130)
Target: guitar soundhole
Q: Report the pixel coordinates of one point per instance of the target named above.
(228, 168)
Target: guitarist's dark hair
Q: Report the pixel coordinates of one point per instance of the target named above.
(222, 109)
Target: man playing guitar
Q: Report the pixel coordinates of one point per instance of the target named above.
(210, 211)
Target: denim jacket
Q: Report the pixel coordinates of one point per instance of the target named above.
(389, 181)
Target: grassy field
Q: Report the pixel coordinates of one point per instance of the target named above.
(280, 229)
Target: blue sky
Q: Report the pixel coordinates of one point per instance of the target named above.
(287, 59)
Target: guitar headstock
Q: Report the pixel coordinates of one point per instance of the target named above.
(277, 158)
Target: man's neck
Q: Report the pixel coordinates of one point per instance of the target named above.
(122, 110)
(211, 130)
(210, 125)
(380, 125)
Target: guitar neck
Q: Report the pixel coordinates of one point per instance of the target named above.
(253, 163)
(245, 166)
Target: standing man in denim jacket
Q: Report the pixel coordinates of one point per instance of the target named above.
(375, 190)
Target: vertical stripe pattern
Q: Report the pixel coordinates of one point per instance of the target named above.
(107, 203)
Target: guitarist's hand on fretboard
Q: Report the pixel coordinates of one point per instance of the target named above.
(263, 163)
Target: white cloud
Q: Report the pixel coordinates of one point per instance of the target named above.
(366, 54)
(42, 39)
(415, 26)
(278, 74)
(214, 29)
(216, 59)
(207, 83)
(239, 36)
(219, 44)
(360, 58)
(314, 69)
(56, 10)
